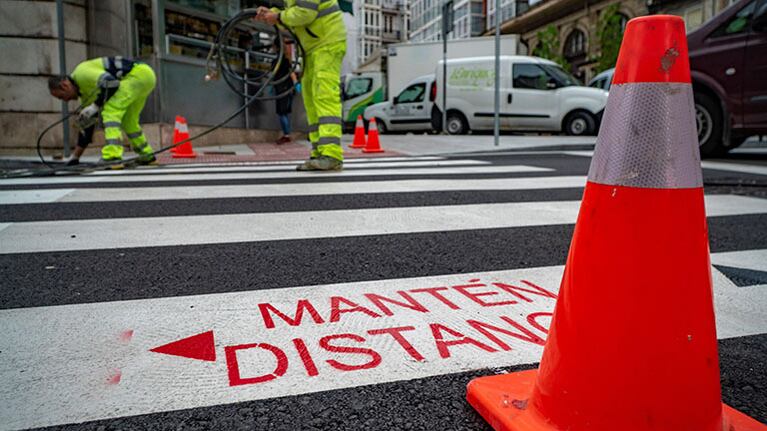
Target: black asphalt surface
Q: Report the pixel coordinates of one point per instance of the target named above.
(56, 278)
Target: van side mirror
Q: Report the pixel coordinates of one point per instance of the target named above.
(552, 84)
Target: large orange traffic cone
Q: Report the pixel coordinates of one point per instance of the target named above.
(359, 134)
(180, 134)
(373, 144)
(632, 344)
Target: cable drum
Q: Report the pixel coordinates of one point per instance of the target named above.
(267, 45)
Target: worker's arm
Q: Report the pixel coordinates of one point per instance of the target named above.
(107, 85)
(303, 13)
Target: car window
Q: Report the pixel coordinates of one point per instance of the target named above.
(563, 78)
(530, 76)
(358, 86)
(599, 83)
(414, 93)
(739, 23)
(760, 17)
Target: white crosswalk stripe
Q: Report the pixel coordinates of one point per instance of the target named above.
(74, 361)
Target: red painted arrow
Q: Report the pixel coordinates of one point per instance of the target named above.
(200, 346)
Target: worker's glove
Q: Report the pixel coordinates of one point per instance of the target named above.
(298, 87)
(88, 117)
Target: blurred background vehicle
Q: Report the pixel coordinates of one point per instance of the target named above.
(410, 110)
(728, 62)
(536, 95)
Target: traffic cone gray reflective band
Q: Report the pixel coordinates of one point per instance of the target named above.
(633, 150)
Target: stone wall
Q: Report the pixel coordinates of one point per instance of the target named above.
(29, 43)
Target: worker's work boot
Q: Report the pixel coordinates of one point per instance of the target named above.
(149, 159)
(321, 163)
(113, 163)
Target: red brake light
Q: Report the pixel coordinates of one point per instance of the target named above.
(433, 95)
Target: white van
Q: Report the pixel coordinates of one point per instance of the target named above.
(536, 95)
(410, 110)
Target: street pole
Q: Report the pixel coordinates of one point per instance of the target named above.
(447, 27)
(497, 113)
(63, 71)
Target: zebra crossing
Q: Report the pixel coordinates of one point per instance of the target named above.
(255, 296)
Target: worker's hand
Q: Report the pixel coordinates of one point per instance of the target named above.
(266, 15)
(298, 87)
(88, 116)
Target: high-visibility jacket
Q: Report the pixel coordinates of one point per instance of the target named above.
(99, 78)
(315, 22)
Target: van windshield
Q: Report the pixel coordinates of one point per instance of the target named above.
(563, 78)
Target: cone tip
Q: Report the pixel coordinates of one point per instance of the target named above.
(654, 49)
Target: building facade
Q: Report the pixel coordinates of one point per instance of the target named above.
(172, 36)
(379, 23)
(426, 19)
(577, 21)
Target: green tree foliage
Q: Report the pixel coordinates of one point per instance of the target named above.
(549, 47)
(610, 35)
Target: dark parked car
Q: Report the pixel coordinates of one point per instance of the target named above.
(728, 62)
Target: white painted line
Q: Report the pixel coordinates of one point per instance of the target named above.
(735, 167)
(8, 197)
(98, 234)
(459, 170)
(347, 161)
(751, 259)
(196, 170)
(84, 362)
(300, 189)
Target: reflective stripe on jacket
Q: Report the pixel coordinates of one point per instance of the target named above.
(315, 22)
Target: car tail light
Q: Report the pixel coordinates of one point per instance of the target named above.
(433, 95)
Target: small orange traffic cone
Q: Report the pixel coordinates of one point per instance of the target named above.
(359, 134)
(373, 144)
(180, 134)
(632, 344)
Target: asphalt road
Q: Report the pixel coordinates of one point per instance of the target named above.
(92, 278)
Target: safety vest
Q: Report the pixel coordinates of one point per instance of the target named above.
(97, 79)
(315, 22)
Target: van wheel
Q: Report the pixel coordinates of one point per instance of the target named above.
(456, 123)
(708, 119)
(381, 126)
(579, 123)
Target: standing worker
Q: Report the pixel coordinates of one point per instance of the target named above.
(320, 29)
(116, 87)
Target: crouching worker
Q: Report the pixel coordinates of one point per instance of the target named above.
(117, 89)
(320, 28)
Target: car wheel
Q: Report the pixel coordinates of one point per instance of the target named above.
(456, 124)
(579, 123)
(381, 126)
(708, 120)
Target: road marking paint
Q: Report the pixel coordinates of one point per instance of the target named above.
(96, 234)
(202, 170)
(9, 197)
(297, 189)
(719, 166)
(735, 167)
(74, 363)
(458, 170)
(295, 162)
